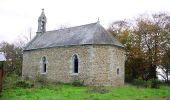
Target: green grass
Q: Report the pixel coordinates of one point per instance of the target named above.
(70, 92)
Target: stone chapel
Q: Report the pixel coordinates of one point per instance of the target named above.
(87, 53)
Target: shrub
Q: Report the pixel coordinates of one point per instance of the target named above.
(54, 86)
(9, 81)
(141, 83)
(41, 79)
(155, 84)
(77, 83)
(98, 89)
(24, 84)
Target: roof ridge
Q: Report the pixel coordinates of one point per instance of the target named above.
(71, 27)
(112, 37)
(97, 25)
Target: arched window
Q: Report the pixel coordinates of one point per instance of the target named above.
(117, 71)
(75, 64)
(44, 65)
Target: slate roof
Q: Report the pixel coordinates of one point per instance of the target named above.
(92, 33)
(2, 57)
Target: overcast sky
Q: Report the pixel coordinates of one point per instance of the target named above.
(18, 16)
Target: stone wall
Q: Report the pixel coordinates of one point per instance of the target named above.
(97, 64)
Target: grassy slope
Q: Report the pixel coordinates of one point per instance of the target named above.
(69, 92)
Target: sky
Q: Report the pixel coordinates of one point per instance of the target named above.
(19, 17)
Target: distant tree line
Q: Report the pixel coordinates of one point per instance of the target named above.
(147, 44)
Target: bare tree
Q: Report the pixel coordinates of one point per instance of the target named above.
(23, 39)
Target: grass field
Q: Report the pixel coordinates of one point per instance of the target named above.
(70, 92)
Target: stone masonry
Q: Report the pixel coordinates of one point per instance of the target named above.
(98, 64)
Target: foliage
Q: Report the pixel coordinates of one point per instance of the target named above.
(77, 83)
(65, 92)
(120, 29)
(9, 81)
(155, 84)
(141, 83)
(13, 56)
(24, 84)
(146, 43)
(55, 91)
(40, 81)
(165, 66)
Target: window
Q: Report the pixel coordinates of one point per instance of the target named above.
(75, 64)
(44, 65)
(117, 71)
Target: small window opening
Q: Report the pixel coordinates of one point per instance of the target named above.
(75, 63)
(44, 69)
(117, 71)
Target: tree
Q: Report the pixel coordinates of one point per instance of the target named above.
(145, 44)
(165, 66)
(165, 61)
(14, 58)
(120, 30)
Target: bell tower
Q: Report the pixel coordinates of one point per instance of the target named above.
(42, 20)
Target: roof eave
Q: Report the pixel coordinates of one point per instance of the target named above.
(122, 47)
